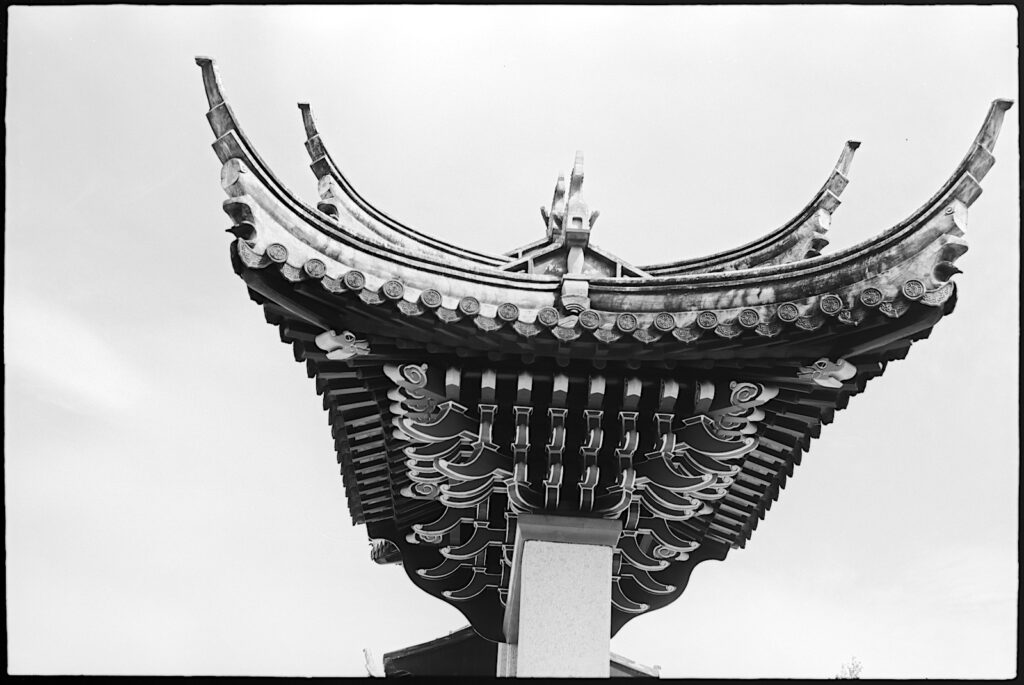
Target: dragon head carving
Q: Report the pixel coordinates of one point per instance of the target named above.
(827, 373)
(343, 346)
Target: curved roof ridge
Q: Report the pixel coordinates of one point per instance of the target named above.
(963, 185)
(238, 156)
(799, 238)
(916, 255)
(331, 179)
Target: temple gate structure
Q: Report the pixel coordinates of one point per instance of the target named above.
(551, 439)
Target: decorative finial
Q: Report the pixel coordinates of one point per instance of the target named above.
(569, 219)
(553, 218)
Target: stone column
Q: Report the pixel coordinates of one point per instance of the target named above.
(558, 613)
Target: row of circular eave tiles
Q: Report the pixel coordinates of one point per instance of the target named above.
(609, 327)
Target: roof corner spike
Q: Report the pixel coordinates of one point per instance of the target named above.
(307, 120)
(211, 83)
(321, 163)
(989, 132)
(846, 158)
(803, 237)
(828, 196)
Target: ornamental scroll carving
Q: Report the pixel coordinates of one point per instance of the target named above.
(654, 480)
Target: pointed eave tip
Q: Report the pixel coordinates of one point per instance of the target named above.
(214, 96)
(307, 120)
(846, 158)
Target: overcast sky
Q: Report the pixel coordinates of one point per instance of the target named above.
(173, 504)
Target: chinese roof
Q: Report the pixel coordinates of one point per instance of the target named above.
(465, 388)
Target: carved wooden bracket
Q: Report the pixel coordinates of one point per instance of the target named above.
(651, 479)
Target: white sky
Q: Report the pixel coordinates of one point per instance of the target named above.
(172, 501)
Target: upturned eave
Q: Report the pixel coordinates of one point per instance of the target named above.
(907, 266)
(802, 237)
(339, 199)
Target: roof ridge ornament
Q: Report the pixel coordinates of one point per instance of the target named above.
(570, 219)
(553, 217)
(575, 235)
(566, 250)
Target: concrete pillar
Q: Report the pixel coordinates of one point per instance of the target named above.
(558, 614)
(506, 660)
